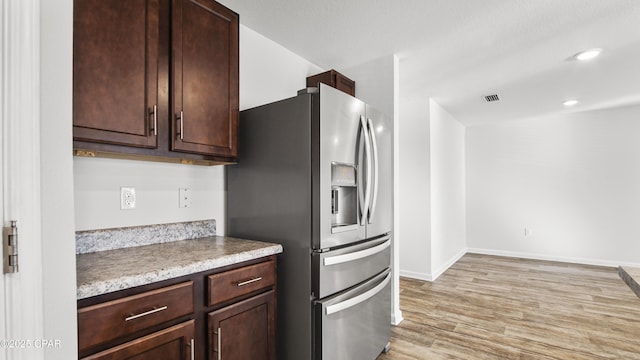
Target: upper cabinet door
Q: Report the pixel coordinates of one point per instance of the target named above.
(115, 71)
(205, 78)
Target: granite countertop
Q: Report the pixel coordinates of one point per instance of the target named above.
(108, 271)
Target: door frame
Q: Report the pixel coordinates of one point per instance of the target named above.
(56, 178)
(38, 304)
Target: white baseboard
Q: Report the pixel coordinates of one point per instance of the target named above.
(415, 275)
(432, 277)
(396, 318)
(598, 262)
(448, 264)
(534, 256)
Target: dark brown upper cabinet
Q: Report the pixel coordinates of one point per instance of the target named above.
(205, 78)
(115, 61)
(156, 80)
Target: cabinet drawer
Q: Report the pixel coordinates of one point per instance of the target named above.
(176, 342)
(234, 283)
(110, 320)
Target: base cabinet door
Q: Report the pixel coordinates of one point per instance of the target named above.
(175, 342)
(245, 330)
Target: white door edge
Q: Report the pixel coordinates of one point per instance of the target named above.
(3, 155)
(22, 297)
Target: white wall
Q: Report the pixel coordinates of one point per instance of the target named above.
(573, 179)
(448, 241)
(58, 241)
(375, 82)
(97, 193)
(432, 189)
(268, 72)
(415, 188)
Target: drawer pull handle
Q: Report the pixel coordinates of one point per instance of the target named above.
(243, 283)
(353, 256)
(219, 351)
(153, 311)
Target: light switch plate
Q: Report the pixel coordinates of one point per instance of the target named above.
(184, 198)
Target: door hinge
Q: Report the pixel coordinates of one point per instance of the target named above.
(10, 248)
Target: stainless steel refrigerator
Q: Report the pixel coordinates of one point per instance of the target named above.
(315, 174)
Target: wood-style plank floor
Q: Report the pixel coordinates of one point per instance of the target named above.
(489, 307)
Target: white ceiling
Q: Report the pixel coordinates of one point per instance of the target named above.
(456, 51)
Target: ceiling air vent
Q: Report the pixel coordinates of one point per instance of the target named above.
(491, 98)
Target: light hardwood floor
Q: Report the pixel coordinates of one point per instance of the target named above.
(488, 307)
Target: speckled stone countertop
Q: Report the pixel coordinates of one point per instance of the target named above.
(108, 271)
(89, 241)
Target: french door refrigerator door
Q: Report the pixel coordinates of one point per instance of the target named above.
(336, 127)
(380, 207)
(356, 324)
(345, 267)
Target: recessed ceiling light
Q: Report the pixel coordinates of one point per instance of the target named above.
(587, 54)
(570, 103)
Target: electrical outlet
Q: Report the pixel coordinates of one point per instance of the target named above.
(184, 198)
(127, 198)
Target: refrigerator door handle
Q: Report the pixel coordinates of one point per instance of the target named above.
(374, 143)
(359, 159)
(332, 309)
(364, 205)
(340, 259)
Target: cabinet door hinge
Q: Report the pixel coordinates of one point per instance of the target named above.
(10, 248)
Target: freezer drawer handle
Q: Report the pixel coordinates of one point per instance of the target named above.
(332, 309)
(339, 259)
(243, 283)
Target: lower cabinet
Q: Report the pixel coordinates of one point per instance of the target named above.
(176, 342)
(227, 313)
(244, 330)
